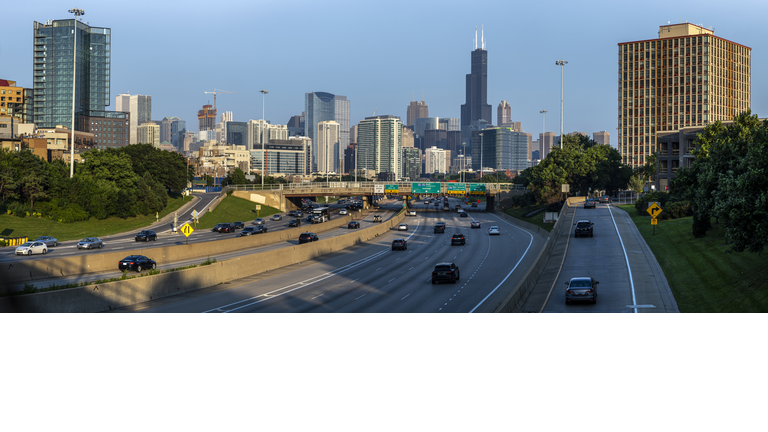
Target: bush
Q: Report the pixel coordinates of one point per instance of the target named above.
(641, 205)
(675, 210)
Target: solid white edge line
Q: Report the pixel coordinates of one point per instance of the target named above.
(626, 258)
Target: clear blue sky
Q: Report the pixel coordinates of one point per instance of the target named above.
(379, 53)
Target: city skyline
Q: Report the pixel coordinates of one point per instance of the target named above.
(521, 66)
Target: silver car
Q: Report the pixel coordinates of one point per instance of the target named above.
(259, 221)
(581, 289)
(277, 217)
(29, 248)
(90, 243)
(48, 240)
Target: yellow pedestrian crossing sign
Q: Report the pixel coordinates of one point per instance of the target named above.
(187, 230)
(654, 210)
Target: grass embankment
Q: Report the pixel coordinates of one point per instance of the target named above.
(537, 219)
(12, 226)
(231, 209)
(702, 275)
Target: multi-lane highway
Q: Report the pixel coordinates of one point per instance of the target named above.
(373, 278)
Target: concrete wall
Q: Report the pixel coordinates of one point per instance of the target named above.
(522, 289)
(96, 298)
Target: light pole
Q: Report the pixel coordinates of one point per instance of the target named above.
(77, 12)
(263, 128)
(561, 63)
(481, 155)
(463, 161)
(543, 131)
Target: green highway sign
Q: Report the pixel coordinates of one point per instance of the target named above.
(425, 188)
(456, 188)
(390, 188)
(477, 188)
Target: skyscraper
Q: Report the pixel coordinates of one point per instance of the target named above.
(602, 137)
(504, 113)
(380, 145)
(416, 109)
(140, 108)
(322, 106)
(53, 68)
(327, 141)
(206, 118)
(476, 107)
(685, 77)
(502, 149)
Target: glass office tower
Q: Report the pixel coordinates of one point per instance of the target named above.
(322, 106)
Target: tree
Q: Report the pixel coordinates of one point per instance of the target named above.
(636, 184)
(236, 177)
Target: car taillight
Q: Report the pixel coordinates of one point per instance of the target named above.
(590, 290)
(569, 291)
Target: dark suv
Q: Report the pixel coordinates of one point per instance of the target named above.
(583, 228)
(445, 272)
(399, 244)
(308, 237)
(440, 227)
(458, 239)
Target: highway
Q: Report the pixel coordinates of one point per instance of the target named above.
(373, 278)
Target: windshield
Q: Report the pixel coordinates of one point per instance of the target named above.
(442, 268)
(583, 225)
(27, 244)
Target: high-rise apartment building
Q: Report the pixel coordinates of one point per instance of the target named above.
(411, 158)
(503, 113)
(322, 106)
(326, 140)
(416, 110)
(602, 137)
(284, 156)
(686, 77)
(350, 157)
(206, 118)
(148, 133)
(380, 145)
(16, 101)
(476, 107)
(140, 108)
(436, 160)
(261, 132)
(236, 134)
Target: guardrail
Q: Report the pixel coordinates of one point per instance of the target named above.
(368, 187)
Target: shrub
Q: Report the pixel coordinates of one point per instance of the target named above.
(675, 210)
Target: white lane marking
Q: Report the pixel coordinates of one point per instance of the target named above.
(410, 268)
(404, 297)
(379, 268)
(626, 258)
(642, 306)
(360, 297)
(391, 280)
(317, 296)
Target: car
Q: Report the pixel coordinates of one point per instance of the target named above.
(458, 239)
(605, 199)
(411, 212)
(581, 289)
(353, 225)
(494, 230)
(462, 213)
(458, 207)
(224, 228)
(276, 217)
(401, 244)
(238, 225)
(308, 237)
(474, 204)
(402, 227)
(439, 227)
(589, 203)
(343, 212)
(146, 236)
(475, 224)
(299, 213)
(583, 228)
(294, 223)
(259, 221)
(377, 218)
(90, 243)
(136, 263)
(427, 201)
(292, 213)
(258, 229)
(445, 271)
(48, 240)
(32, 247)
(310, 218)
(316, 219)
(218, 227)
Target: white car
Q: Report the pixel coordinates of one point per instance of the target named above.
(259, 221)
(411, 212)
(343, 212)
(29, 248)
(402, 227)
(494, 230)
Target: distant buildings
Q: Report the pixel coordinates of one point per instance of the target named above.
(327, 138)
(206, 118)
(16, 101)
(322, 106)
(476, 108)
(290, 156)
(436, 161)
(416, 110)
(602, 137)
(173, 130)
(504, 113)
(411, 161)
(499, 149)
(380, 145)
(140, 108)
(148, 133)
(260, 131)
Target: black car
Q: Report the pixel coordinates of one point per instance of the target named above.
(146, 235)
(474, 204)
(294, 223)
(136, 263)
(258, 229)
(310, 218)
(223, 227)
(445, 272)
(458, 239)
(581, 289)
(583, 228)
(292, 213)
(353, 225)
(463, 214)
(238, 225)
(308, 237)
(440, 227)
(399, 244)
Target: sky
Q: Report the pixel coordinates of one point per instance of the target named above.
(381, 54)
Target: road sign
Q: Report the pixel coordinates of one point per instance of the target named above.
(378, 189)
(194, 214)
(187, 230)
(258, 207)
(477, 188)
(654, 210)
(455, 188)
(425, 188)
(391, 188)
(654, 221)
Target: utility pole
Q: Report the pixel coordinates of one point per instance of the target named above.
(263, 128)
(77, 12)
(543, 131)
(561, 63)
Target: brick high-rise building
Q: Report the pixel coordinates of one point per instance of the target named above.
(416, 109)
(685, 77)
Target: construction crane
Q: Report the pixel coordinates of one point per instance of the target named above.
(215, 92)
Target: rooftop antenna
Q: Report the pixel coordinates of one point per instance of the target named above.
(474, 41)
(422, 95)
(482, 37)
(412, 98)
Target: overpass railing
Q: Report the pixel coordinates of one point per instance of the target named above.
(367, 187)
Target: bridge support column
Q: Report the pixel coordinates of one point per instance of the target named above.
(490, 202)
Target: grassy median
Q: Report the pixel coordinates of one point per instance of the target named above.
(703, 276)
(232, 209)
(537, 219)
(12, 226)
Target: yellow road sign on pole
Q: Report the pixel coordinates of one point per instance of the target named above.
(654, 221)
(187, 230)
(654, 210)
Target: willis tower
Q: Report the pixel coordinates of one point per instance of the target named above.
(476, 112)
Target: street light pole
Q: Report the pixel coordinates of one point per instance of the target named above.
(543, 131)
(263, 128)
(561, 63)
(463, 161)
(481, 155)
(77, 12)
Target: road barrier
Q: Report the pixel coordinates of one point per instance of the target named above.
(13, 241)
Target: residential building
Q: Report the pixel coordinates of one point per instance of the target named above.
(602, 137)
(408, 140)
(296, 125)
(528, 143)
(291, 156)
(326, 140)
(411, 160)
(206, 118)
(416, 110)
(260, 131)
(186, 140)
(221, 126)
(686, 77)
(503, 114)
(140, 108)
(16, 101)
(499, 149)
(476, 107)
(436, 161)
(380, 145)
(353, 134)
(148, 133)
(322, 106)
